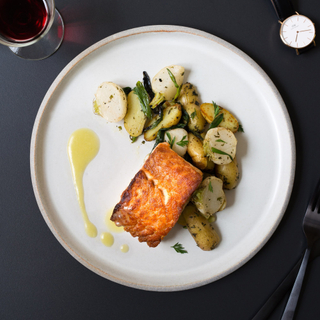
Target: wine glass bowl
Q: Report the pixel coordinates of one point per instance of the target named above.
(32, 29)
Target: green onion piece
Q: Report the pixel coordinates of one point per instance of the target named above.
(157, 99)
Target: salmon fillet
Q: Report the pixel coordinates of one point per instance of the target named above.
(156, 196)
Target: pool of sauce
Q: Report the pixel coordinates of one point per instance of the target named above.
(83, 146)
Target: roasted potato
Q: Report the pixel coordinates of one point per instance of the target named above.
(196, 152)
(201, 230)
(220, 145)
(228, 173)
(209, 198)
(162, 82)
(135, 119)
(189, 100)
(189, 95)
(171, 116)
(178, 139)
(229, 121)
(110, 102)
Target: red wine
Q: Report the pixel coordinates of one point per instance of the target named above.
(22, 20)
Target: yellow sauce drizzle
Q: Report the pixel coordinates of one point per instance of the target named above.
(83, 146)
(107, 239)
(124, 248)
(110, 224)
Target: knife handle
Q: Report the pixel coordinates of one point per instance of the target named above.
(278, 294)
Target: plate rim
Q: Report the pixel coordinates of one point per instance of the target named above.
(127, 33)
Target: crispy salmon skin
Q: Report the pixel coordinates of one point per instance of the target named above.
(153, 201)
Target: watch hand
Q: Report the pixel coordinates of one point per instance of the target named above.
(304, 30)
(297, 36)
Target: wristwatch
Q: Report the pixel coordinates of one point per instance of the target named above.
(296, 31)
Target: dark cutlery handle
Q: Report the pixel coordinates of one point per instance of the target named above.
(294, 295)
(278, 294)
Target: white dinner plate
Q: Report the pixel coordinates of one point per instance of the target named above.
(221, 73)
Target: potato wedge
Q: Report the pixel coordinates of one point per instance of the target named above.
(196, 152)
(110, 102)
(210, 198)
(162, 82)
(220, 145)
(229, 121)
(201, 230)
(135, 119)
(228, 173)
(189, 100)
(171, 116)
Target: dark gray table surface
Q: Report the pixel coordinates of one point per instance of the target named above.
(40, 280)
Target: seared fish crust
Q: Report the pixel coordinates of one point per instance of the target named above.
(156, 196)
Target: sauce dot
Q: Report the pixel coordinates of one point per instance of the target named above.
(107, 239)
(124, 248)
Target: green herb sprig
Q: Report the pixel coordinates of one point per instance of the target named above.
(183, 142)
(240, 129)
(179, 248)
(217, 109)
(171, 141)
(143, 97)
(172, 77)
(214, 150)
(193, 114)
(220, 140)
(210, 186)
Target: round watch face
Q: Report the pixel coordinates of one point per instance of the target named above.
(297, 31)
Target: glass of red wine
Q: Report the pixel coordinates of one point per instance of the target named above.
(32, 29)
